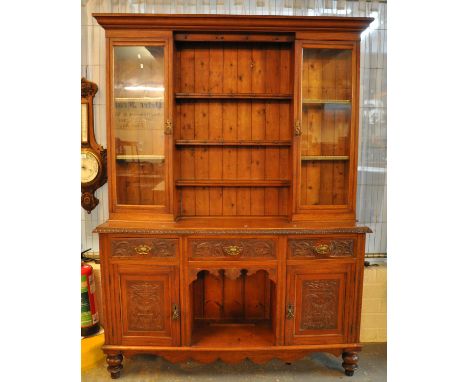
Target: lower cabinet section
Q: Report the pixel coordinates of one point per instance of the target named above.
(231, 297)
(148, 307)
(317, 301)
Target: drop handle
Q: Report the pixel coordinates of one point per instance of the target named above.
(175, 312)
(290, 312)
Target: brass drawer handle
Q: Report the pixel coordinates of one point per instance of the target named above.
(175, 312)
(232, 250)
(143, 249)
(290, 312)
(322, 249)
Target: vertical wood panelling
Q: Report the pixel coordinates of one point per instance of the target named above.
(215, 85)
(229, 127)
(201, 76)
(221, 298)
(244, 127)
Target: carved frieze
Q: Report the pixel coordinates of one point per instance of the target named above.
(319, 304)
(144, 247)
(233, 248)
(321, 248)
(145, 305)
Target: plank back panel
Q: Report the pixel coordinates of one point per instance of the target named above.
(233, 68)
(247, 298)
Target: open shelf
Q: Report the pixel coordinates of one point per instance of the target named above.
(189, 142)
(282, 96)
(312, 101)
(141, 157)
(323, 157)
(232, 183)
(220, 334)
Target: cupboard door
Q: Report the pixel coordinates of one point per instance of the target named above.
(149, 305)
(326, 97)
(317, 304)
(141, 124)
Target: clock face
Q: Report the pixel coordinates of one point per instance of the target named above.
(89, 166)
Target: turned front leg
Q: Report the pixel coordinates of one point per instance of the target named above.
(350, 360)
(115, 365)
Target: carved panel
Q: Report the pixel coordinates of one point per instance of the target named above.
(319, 304)
(145, 309)
(144, 247)
(232, 273)
(233, 248)
(321, 248)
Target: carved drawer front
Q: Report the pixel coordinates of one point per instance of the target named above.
(317, 248)
(144, 247)
(223, 249)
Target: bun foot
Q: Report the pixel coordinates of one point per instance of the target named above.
(350, 360)
(115, 375)
(114, 362)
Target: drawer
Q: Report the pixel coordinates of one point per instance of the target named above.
(321, 248)
(232, 248)
(144, 247)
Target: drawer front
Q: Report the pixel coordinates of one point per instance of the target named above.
(144, 247)
(321, 248)
(232, 249)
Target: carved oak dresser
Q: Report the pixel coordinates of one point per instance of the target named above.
(232, 164)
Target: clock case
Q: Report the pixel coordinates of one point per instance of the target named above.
(88, 199)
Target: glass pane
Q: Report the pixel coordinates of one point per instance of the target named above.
(139, 124)
(326, 117)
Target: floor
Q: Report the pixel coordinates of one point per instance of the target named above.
(317, 367)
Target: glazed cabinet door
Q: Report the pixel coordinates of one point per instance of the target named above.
(141, 126)
(326, 94)
(148, 304)
(318, 303)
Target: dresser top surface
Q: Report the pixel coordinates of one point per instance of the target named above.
(229, 226)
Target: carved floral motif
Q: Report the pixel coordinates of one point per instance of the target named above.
(233, 248)
(321, 248)
(144, 247)
(145, 305)
(319, 304)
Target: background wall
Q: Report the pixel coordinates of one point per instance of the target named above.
(372, 170)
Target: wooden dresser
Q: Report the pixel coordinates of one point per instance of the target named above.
(232, 162)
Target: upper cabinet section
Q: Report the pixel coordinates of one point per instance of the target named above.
(214, 116)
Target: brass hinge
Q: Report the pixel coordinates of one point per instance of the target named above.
(297, 128)
(168, 128)
(290, 312)
(175, 312)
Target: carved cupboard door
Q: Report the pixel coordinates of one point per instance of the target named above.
(148, 305)
(318, 303)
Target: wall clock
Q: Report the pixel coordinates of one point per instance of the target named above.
(93, 155)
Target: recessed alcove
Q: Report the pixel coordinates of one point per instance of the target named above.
(233, 307)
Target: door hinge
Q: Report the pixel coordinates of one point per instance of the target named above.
(297, 128)
(175, 312)
(168, 128)
(290, 312)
